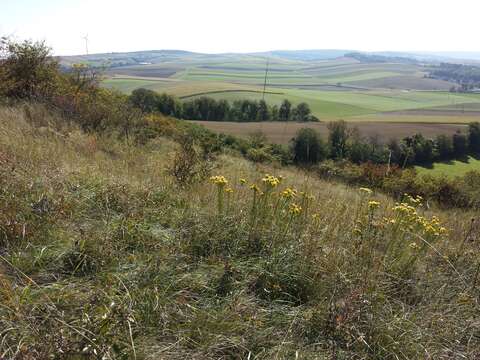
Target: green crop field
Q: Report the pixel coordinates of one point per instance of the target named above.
(451, 169)
(329, 105)
(342, 88)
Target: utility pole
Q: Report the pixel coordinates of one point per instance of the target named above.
(265, 82)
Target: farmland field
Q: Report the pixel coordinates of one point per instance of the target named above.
(283, 132)
(340, 88)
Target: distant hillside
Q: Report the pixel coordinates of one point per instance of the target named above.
(375, 58)
(305, 55)
(161, 56)
(128, 58)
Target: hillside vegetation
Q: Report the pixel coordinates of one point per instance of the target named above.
(104, 254)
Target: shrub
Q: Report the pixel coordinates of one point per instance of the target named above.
(188, 165)
(259, 155)
(28, 70)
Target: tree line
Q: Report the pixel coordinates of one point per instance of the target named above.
(344, 143)
(210, 109)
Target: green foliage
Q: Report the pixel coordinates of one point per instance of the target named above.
(285, 110)
(302, 112)
(308, 147)
(145, 100)
(208, 109)
(460, 145)
(474, 137)
(337, 139)
(444, 146)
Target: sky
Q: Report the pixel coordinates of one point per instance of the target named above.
(214, 26)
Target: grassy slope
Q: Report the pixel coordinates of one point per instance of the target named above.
(451, 169)
(102, 253)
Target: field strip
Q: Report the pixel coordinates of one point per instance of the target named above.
(283, 132)
(146, 78)
(350, 87)
(229, 91)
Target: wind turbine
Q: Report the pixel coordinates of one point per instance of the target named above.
(86, 43)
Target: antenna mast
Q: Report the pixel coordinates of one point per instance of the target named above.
(265, 82)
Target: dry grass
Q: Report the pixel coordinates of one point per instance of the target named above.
(102, 255)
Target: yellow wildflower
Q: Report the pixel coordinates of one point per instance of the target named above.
(372, 205)
(414, 246)
(288, 193)
(219, 180)
(295, 209)
(366, 190)
(255, 188)
(271, 181)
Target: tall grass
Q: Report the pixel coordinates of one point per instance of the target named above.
(104, 255)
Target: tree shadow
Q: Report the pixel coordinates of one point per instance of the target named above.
(475, 156)
(465, 158)
(430, 166)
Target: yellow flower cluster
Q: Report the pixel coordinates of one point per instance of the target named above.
(271, 181)
(409, 216)
(295, 209)
(372, 205)
(288, 193)
(243, 181)
(432, 226)
(229, 190)
(405, 210)
(219, 180)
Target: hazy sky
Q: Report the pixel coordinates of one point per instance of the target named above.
(245, 25)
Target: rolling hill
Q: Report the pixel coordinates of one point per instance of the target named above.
(337, 84)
